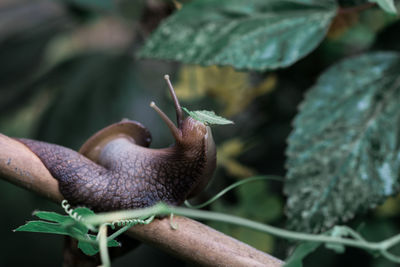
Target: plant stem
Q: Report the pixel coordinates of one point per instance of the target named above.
(391, 241)
(119, 232)
(105, 258)
(162, 209)
(390, 256)
(274, 230)
(232, 186)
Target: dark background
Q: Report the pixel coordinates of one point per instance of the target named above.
(68, 68)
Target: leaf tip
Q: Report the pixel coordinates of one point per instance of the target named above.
(18, 229)
(207, 117)
(35, 212)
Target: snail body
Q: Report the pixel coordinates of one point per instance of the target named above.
(115, 169)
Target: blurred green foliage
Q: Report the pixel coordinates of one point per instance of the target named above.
(69, 68)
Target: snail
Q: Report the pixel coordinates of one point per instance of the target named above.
(115, 168)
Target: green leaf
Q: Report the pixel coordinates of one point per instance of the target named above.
(255, 34)
(92, 249)
(52, 216)
(344, 152)
(63, 227)
(43, 227)
(76, 231)
(64, 220)
(88, 248)
(207, 117)
(62, 223)
(301, 251)
(83, 211)
(387, 5)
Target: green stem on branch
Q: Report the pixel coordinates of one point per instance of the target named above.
(162, 209)
(102, 236)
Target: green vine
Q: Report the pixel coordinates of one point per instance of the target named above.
(232, 186)
(84, 220)
(353, 239)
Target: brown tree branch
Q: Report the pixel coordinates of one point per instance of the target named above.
(354, 9)
(192, 241)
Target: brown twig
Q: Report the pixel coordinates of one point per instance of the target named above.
(192, 241)
(353, 9)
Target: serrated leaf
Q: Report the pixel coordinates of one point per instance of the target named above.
(300, 252)
(254, 34)
(344, 152)
(387, 5)
(92, 249)
(207, 117)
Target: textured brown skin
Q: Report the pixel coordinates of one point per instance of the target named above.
(130, 176)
